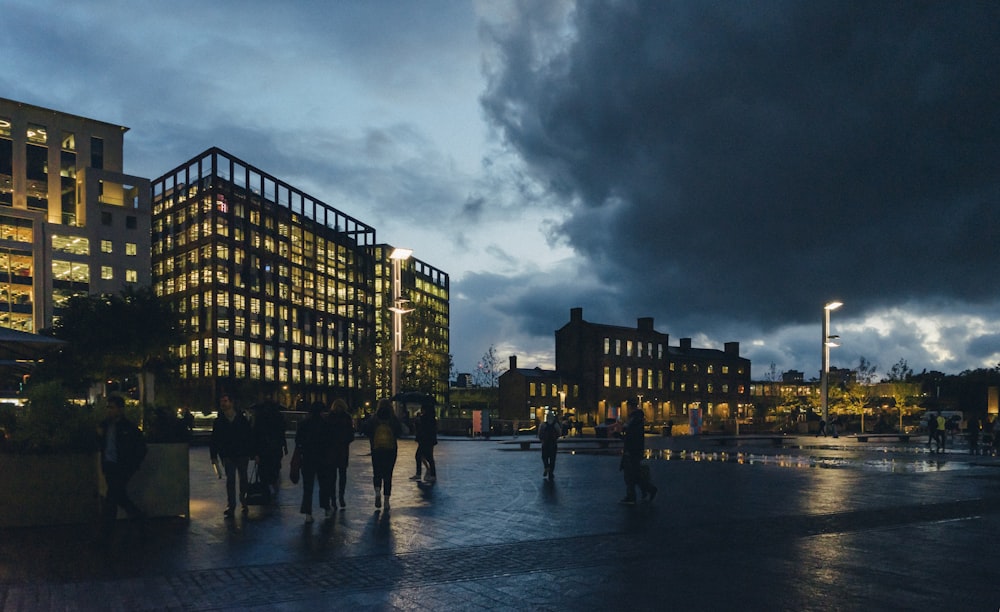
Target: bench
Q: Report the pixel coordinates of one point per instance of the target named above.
(775, 440)
(527, 443)
(904, 437)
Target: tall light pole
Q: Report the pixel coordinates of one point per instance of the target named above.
(828, 341)
(397, 257)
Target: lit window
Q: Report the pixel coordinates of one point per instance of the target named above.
(131, 276)
(130, 248)
(107, 273)
(76, 245)
(106, 246)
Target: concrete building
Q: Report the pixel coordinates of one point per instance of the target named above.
(71, 222)
(599, 367)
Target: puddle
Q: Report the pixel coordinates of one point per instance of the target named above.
(885, 464)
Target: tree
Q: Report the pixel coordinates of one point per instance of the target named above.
(115, 337)
(425, 365)
(857, 392)
(488, 369)
(900, 386)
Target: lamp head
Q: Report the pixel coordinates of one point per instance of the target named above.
(833, 305)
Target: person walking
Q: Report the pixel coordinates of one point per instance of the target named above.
(313, 439)
(941, 426)
(341, 435)
(122, 451)
(383, 431)
(634, 447)
(426, 436)
(972, 430)
(232, 442)
(549, 433)
(270, 444)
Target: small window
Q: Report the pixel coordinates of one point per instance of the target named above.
(107, 273)
(131, 276)
(106, 246)
(131, 248)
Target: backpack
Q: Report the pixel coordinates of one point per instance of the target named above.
(383, 437)
(550, 434)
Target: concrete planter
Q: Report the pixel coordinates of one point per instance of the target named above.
(54, 489)
(65, 489)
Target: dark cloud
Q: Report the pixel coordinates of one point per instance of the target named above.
(749, 161)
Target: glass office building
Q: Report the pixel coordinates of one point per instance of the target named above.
(276, 288)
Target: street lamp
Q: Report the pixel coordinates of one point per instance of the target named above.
(397, 257)
(828, 341)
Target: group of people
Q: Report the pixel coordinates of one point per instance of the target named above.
(322, 451)
(235, 440)
(632, 466)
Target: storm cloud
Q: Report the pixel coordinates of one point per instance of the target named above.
(728, 164)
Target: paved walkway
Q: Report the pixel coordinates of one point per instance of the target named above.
(823, 525)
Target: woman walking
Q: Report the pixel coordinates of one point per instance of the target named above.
(383, 430)
(312, 440)
(341, 436)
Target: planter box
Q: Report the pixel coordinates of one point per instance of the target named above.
(66, 489)
(48, 489)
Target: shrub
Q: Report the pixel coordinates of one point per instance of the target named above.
(49, 423)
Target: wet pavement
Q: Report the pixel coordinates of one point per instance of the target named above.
(820, 524)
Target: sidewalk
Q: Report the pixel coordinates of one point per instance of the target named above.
(847, 526)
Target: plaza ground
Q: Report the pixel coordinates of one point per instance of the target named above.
(821, 524)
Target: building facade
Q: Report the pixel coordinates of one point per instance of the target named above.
(425, 296)
(71, 222)
(280, 293)
(608, 364)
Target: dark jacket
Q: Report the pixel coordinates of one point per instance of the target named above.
(341, 430)
(635, 433)
(269, 430)
(314, 440)
(130, 445)
(231, 439)
(427, 429)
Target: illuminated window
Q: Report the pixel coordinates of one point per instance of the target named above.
(725, 369)
(106, 246)
(607, 376)
(107, 273)
(76, 245)
(131, 276)
(607, 345)
(131, 249)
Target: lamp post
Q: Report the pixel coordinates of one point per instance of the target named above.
(828, 341)
(397, 257)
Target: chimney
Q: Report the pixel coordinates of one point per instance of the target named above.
(575, 315)
(733, 348)
(645, 323)
(685, 344)
(513, 362)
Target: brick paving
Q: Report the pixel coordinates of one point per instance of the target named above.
(823, 525)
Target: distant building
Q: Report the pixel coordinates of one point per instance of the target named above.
(792, 376)
(71, 223)
(599, 367)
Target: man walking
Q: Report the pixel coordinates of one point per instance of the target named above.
(122, 451)
(232, 441)
(549, 433)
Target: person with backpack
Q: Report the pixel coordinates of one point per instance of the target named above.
(383, 430)
(549, 433)
(122, 450)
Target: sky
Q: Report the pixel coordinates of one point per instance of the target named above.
(725, 168)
